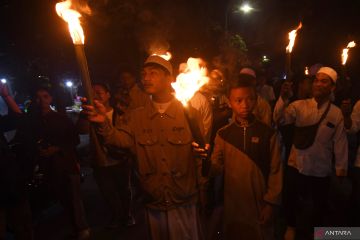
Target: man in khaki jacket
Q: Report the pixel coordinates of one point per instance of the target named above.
(159, 135)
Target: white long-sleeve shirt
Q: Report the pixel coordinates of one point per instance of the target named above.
(200, 103)
(355, 127)
(330, 140)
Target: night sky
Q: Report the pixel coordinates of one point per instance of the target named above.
(35, 41)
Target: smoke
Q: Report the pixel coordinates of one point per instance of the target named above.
(154, 29)
(81, 6)
(150, 22)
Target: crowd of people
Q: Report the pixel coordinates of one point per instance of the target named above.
(268, 152)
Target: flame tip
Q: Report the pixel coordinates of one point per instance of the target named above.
(345, 51)
(292, 36)
(72, 17)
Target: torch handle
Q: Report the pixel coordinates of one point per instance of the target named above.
(194, 127)
(84, 70)
(288, 66)
(198, 137)
(345, 82)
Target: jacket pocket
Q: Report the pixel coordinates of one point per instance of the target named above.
(147, 139)
(181, 137)
(180, 144)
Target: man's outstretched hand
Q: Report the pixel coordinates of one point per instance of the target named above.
(94, 113)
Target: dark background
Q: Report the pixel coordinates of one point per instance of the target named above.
(35, 41)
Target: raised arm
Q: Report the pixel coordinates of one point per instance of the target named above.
(283, 112)
(119, 136)
(4, 93)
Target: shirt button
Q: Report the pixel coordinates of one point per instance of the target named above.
(179, 141)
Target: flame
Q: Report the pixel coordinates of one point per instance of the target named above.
(307, 71)
(72, 17)
(292, 37)
(188, 82)
(351, 44)
(345, 51)
(167, 56)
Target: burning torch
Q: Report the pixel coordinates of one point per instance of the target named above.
(344, 57)
(188, 82)
(292, 37)
(72, 17)
(345, 51)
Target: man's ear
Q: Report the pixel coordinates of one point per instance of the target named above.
(170, 78)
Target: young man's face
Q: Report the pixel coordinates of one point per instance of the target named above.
(322, 86)
(100, 94)
(242, 101)
(155, 80)
(128, 79)
(43, 99)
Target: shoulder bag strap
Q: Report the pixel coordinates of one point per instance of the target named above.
(325, 113)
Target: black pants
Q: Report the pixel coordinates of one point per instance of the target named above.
(18, 217)
(113, 182)
(66, 188)
(354, 207)
(300, 186)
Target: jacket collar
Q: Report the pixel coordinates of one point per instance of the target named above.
(248, 123)
(170, 111)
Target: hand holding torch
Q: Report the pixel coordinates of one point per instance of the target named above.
(187, 84)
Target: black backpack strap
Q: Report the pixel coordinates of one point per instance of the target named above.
(325, 113)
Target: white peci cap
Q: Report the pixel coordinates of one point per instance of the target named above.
(154, 59)
(248, 71)
(330, 72)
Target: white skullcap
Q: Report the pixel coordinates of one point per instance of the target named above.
(248, 71)
(154, 59)
(330, 72)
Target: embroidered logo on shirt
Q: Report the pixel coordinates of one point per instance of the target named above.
(255, 139)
